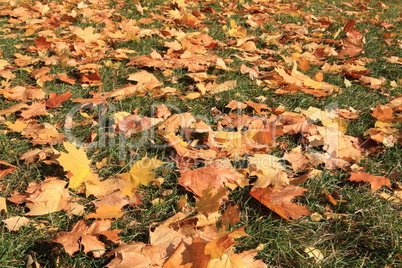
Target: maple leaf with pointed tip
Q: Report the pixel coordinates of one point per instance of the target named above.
(140, 174)
(279, 201)
(55, 99)
(217, 247)
(88, 237)
(163, 241)
(211, 199)
(376, 182)
(77, 164)
(213, 175)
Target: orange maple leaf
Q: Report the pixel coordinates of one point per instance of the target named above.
(279, 201)
(376, 181)
(213, 175)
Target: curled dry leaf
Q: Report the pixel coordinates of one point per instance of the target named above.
(376, 182)
(88, 237)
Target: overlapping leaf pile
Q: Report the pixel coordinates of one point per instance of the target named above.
(205, 153)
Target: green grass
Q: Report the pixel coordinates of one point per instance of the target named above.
(368, 237)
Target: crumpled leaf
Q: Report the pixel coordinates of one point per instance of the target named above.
(88, 237)
(48, 196)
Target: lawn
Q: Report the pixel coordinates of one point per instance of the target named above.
(200, 133)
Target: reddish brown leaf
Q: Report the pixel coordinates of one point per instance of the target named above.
(279, 201)
(376, 181)
(55, 99)
(87, 236)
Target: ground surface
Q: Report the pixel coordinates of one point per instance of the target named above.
(200, 133)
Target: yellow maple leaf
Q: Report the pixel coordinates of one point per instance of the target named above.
(140, 174)
(77, 163)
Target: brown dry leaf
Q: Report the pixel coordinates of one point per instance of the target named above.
(87, 236)
(36, 109)
(258, 106)
(47, 197)
(230, 217)
(162, 112)
(6, 168)
(176, 121)
(384, 113)
(16, 222)
(55, 99)
(65, 78)
(213, 175)
(23, 93)
(235, 105)
(376, 182)
(37, 155)
(218, 88)
(18, 126)
(3, 206)
(145, 79)
(298, 161)
(353, 44)
(163, 242)
(77, 164)
(263, 133)
(41, 76)
(385, 132)
(279, 201)
(42, 133)
(372, 82)
(12, 109)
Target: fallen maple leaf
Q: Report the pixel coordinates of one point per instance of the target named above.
(213, 175)
(145, 79)
(55, 99)
(88, 237)
(163, 241)
(23, 93)
(140, 174)
(77, 164)
(211, 200)
(376, 182)
(48, 196)
(106, 212)
(279, 201)
(16, 222)
(219, 246)
(36, 109)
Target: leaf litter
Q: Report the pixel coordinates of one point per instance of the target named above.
(203, 153)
